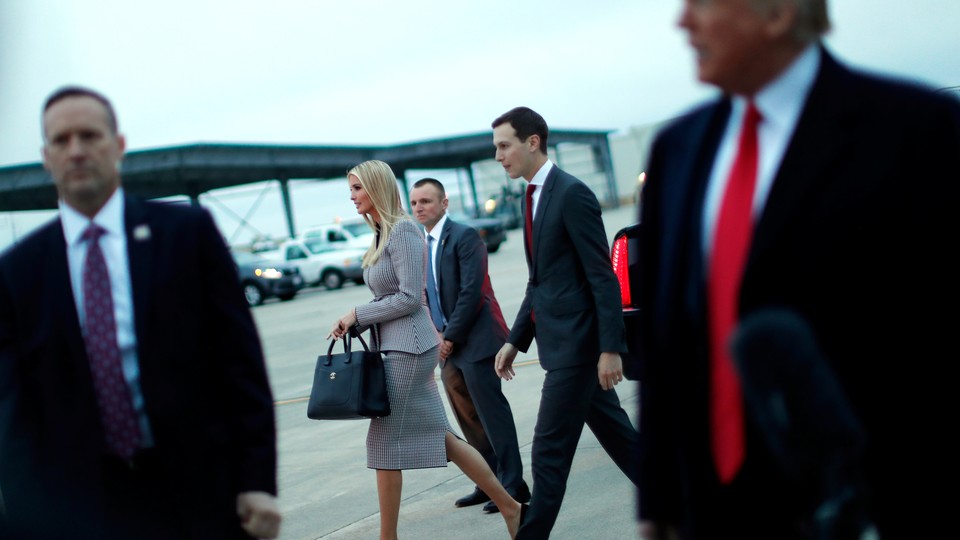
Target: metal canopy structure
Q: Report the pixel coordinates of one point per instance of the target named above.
(197, 168)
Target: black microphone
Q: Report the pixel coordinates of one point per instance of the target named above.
(807, 423)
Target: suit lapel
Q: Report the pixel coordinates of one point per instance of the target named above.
(444, 236)
(526, 241)
(61, 293)
(140, 255)
(827, 107)
(685, 180)
(546, 195)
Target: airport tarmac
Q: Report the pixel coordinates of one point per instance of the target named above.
(326, 490)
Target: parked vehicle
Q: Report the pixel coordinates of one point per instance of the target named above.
(262, 278)
(321, 263)
(352, 234)
(507, 205)
(491, 230)
(625, 258)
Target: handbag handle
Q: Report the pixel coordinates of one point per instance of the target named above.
(347, 346)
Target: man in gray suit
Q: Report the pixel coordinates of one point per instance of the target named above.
(468, 317)
(572, 308)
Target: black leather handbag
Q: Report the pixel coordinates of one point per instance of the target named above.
(348, 385)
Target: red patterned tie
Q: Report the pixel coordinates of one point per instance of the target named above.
(100, 335)
(528, 219)
(730, 246)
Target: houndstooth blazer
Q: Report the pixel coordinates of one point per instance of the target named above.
(399, 309)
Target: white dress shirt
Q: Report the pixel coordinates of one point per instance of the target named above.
(780, 104)
(538, 180)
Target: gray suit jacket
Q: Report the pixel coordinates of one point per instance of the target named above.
(399, 307)
(474, 321)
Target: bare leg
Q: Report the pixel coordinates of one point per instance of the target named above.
(472, 464)
(389, 486)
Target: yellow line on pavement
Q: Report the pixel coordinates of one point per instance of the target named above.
(306, 398)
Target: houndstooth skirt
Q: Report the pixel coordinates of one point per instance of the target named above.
(412, 437)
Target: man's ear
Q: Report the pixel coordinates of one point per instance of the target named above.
(780, 18)
(533, 142)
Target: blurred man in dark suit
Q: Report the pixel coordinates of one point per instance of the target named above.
(469, 319)
(134, 400)
(813, 188)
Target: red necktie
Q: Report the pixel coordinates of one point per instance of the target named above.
(528, 225)
(528, 219)
(100, 336)
(730, 246)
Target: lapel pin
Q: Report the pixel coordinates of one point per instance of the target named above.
(141, 233)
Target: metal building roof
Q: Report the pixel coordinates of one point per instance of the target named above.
(197, 168)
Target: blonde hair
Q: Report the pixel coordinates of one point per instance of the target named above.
(380, 185)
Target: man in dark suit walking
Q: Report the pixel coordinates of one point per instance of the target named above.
(572, 308)
(811, 188)
(134, 400)
(468, 317)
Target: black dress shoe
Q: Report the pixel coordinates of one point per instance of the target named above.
(477, 497)
(521, 495)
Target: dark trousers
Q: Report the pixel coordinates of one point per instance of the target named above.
(485, 417)
(572, 397)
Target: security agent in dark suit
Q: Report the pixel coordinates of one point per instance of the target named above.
(850, 221)
(134, 400)
(473, 329)
(572, 308)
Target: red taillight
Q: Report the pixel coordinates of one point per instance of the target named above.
(620, 259)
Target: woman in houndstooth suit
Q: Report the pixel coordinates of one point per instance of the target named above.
(416, 434)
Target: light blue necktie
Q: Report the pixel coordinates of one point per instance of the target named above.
(433, 296)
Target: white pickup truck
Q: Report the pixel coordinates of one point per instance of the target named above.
(321, 263)
(352, 234)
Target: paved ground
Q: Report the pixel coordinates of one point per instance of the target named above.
(327, 492)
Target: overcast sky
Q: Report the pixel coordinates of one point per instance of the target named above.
(367, 71)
